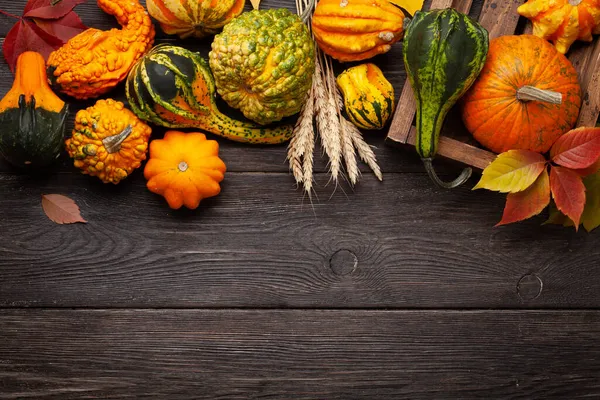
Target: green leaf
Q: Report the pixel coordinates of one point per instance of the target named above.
(591, 214)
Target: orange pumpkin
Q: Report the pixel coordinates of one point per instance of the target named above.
(526, 97)
(353, 30)
(184, 168)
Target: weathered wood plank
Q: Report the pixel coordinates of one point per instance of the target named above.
(400, 243)
(194, 354)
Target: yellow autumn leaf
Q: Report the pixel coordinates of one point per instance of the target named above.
(512, 171)
(412, 6)
(255, 4)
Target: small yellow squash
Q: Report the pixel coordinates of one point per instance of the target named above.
(368, 96)
(108, 141)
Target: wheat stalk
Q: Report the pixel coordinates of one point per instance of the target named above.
(328, 122)
(364, 150)
(340, 139)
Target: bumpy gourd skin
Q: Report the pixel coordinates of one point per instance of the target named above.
(108, 141)
(173, 87)
(563, 21)
(263, 63)
(93, 62)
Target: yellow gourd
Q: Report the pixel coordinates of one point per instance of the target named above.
(368, 96)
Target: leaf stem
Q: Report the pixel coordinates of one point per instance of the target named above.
(10, 15)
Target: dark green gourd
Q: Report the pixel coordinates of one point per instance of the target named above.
(444, 52)
(32, 117)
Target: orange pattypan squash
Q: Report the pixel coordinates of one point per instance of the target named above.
(184, 168)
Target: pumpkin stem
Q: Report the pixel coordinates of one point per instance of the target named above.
(462, 178)
(575, 2)
(182, 166)
(531, 93)
(113, 143)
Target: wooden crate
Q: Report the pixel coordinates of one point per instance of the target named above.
(500, 18)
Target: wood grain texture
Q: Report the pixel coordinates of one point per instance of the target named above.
(454, 149)
(590, 84)
(300, 355)
(260, 245)
(500, 17)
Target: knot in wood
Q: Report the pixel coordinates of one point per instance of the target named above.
(343, 262)
(529, 287)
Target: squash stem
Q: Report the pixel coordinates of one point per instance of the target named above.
(575, 3)
(531, 93)
(113, 143)
(462, 178)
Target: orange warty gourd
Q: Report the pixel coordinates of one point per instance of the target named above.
(184, 168)
(353, 30)
(526, 96)
(197, 18)
(108, 141)
(93, 62)
(563, 21)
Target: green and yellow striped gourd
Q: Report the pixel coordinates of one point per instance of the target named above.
(174, 87)
(444, 52)
(368, 96)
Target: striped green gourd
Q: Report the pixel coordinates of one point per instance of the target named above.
(444, 52)
(174, 87)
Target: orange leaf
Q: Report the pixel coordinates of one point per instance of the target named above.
(577, 149)
(568, 192)
(529, 202)
(512, 171)
(61, 209)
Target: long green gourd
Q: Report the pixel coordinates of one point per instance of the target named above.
(444, 52)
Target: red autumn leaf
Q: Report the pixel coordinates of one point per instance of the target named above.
(63, 28)
(36, 30)
(47, 9)
(568, 192)
(61, 209)
(529, 202)
(592, 169)
(24, 36)
(577, 149)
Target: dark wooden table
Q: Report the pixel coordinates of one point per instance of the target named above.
(388, 291)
